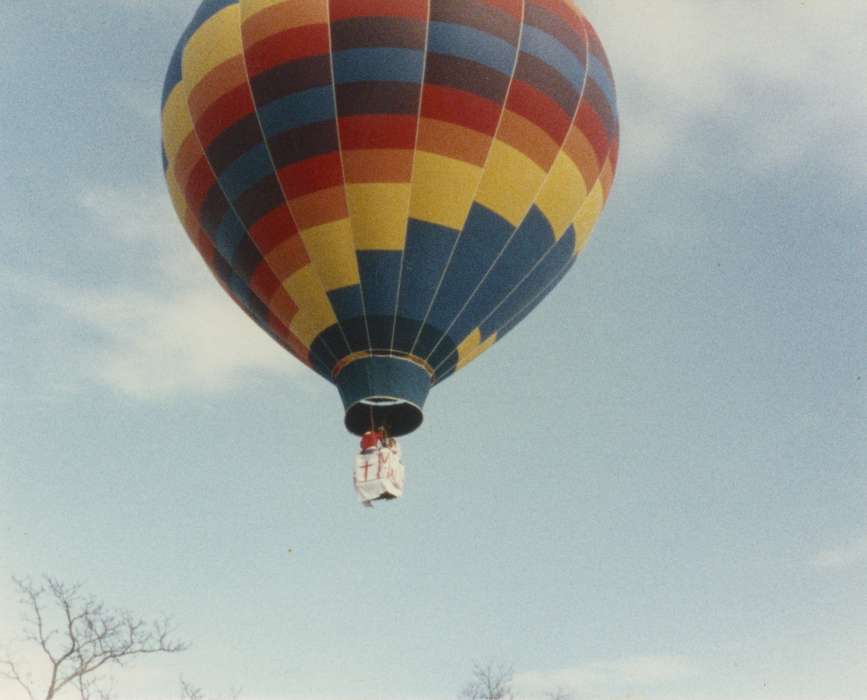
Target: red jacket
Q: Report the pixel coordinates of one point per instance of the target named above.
(370, 439)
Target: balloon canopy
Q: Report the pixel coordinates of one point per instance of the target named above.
(388, 186)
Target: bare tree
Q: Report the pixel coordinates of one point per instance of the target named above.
(191, 692)
(80, 640)
(490, 682)
(558, 694)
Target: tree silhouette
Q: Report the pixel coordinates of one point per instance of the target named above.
(80, 640)
(489, 682)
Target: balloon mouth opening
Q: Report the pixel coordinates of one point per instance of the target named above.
(397, 416)
(383, 391)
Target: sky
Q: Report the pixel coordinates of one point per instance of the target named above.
(653, 489)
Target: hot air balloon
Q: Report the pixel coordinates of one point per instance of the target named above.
(387, 187)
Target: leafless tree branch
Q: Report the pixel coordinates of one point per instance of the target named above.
(558, 694)
(191, 692)
(489, 682)
(12, 673)
(79, 637)
(94, 688)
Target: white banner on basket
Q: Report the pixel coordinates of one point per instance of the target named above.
(378, 474)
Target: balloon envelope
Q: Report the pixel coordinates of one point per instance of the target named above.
(388, 186)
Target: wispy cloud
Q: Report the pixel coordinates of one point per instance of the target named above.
(188, 340)
(764, 83)
(164, 327)
(606, 676)
(738, 696)
(853, 553)
(142, 221)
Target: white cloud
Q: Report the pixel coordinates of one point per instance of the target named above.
(693, 696)
(844, 556)
(606, 676)
(188, 340)
(176, 332)
(167, 327)
(764, 82)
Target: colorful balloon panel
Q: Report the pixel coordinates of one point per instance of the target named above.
(387, 186)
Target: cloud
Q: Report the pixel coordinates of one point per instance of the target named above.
(851, 554)
(740, 696)
(764, 83)
(163, 327)
(187, 341)
(606, 676)
(141, 219)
